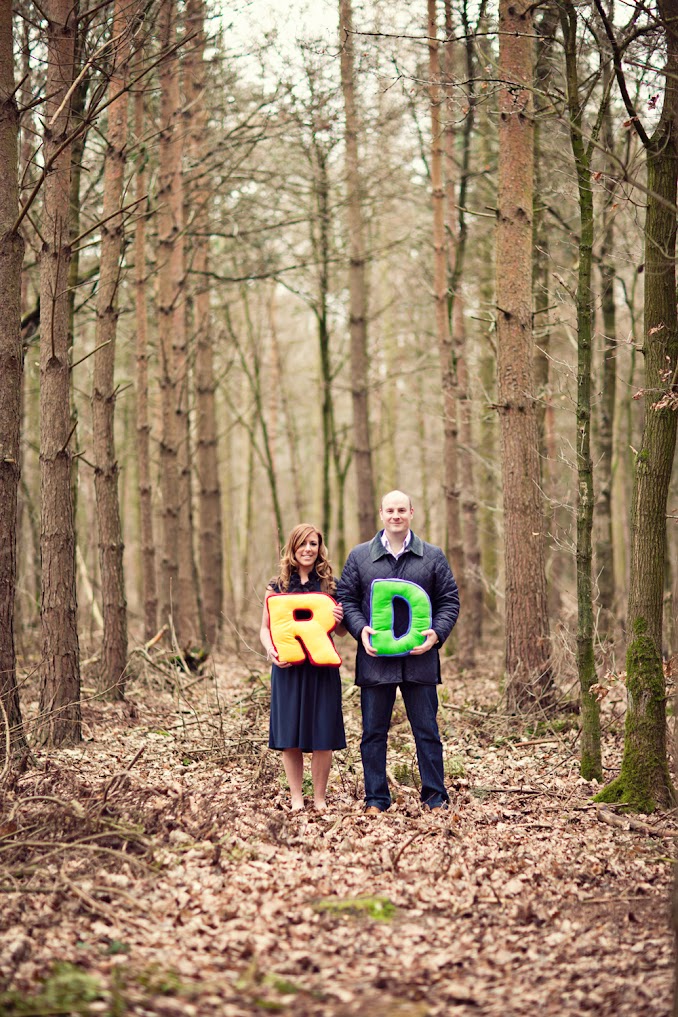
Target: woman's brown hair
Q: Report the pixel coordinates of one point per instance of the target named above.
(322, 565)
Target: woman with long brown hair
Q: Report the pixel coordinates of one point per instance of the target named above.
(305, 699)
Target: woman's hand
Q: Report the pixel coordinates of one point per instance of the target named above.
(272, 657)
(338, 612)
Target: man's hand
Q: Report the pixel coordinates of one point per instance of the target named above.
(365, 639)
(338, 612)
(431, 640)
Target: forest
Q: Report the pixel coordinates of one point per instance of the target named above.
(260, 264)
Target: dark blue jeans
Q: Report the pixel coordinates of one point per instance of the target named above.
(421, 704)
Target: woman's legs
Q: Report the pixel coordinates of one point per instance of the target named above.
(321, 761)
(293, 761)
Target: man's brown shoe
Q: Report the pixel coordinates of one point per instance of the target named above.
(372, 810)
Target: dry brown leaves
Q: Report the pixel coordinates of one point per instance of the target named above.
(160, 858)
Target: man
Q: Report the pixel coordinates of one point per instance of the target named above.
(397, 553)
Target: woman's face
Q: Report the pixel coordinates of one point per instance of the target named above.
(306, 552)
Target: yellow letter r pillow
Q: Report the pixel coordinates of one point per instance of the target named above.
(300, 625)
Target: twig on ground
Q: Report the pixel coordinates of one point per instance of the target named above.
(628, 823)
(415, 836)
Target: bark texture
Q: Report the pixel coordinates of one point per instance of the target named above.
(179, 586)
(590, 757)
(644, 782)
(527, 627)
(357, 286)
(453, 545)
(11, 365)
(457, 242)
(149, 587)
(114, 649)
(604, 542)
(210, 537)
(60, 670)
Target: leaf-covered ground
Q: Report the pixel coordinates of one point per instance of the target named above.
(156, 869)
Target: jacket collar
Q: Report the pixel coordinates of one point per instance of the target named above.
(377, 549)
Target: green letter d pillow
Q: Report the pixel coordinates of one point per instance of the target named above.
(382, 595)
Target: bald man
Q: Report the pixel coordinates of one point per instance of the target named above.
(398, 553)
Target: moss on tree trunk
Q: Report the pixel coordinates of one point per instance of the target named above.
(644, 782)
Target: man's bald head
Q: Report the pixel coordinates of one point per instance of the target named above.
(395, 496)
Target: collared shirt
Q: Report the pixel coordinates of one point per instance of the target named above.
(406, 544)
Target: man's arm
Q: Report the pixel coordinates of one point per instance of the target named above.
(350, 595)
(445, 602)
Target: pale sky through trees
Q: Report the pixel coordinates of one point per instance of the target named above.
(293, 20)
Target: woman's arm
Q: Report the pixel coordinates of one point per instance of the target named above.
(265, 630)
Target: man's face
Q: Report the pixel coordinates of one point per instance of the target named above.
(396, 513)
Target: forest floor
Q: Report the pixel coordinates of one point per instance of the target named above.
(156, 869)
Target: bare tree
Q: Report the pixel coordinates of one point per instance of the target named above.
(440, 286)
(210, 537)
(60, 670)
(179, 586)
(527, 626)
(114, 650)
(11, 363)
(582, 151)
(357, 285)
(644, 781)
(149, 589)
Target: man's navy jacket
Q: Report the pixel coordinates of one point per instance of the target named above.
(422, 563)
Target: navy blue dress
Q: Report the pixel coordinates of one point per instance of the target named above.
(305, 699)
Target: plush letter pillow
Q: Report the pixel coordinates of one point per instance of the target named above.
(383, 594)
(300, 625)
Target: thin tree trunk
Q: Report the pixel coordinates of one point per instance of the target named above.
(11, 365)
(210, 538)
(113, 661)
(321, 192)
(180, 594)
(357, 286)
(590, 758)
(77, 109)
(469, 505)
(644, 781)
(541, 290)
(457, 233)
(488, 472)
(528, 664)
(444, 336)
(149, 589)
(604, 544)
(291, 435)
(60, 670)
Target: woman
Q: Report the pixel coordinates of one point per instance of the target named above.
(305, 699)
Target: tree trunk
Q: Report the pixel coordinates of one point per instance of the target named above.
(289, 424)
(77, 110)
(457, 233)
(113, 660)
(321, 193)
(11, 365)
(644, 782)
(591, 763)
(180, 594)
(149, 588)
(440, 288)
(60, 670)
(357, 286)
(541, 294)
(527, 628)
(604, 543)
(210, 537)
(469, 505)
